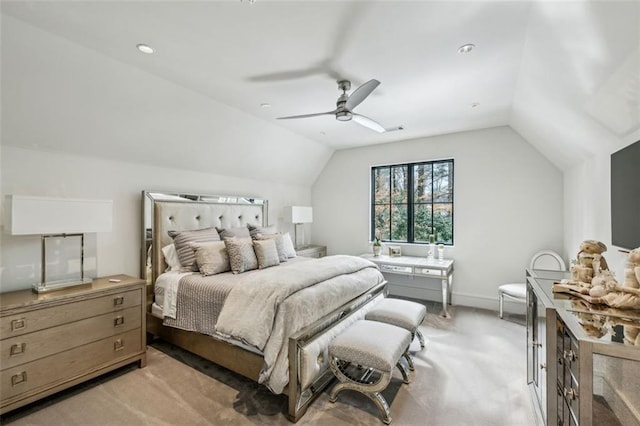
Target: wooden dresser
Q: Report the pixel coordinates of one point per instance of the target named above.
(52, 341)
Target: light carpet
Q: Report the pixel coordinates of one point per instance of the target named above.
(472, 372)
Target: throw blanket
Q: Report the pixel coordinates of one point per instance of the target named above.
(278, 302)
(250, 308)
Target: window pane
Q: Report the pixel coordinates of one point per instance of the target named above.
(421, 222)
(382, 222)
(422, 183)
(443, 222)
(399, 222)
(381, 185)
(399, 184)
(443, 182)
(425, 196)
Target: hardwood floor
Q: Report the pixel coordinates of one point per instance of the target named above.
(472, 372)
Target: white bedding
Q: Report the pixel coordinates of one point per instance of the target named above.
(166, 291)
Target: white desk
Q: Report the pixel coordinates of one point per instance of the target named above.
(419, 267)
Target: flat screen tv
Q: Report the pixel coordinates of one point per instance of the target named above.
(625, 197)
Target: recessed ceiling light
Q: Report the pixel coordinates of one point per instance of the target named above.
(475, 104)
(466, 48)
(145, 49)
(265, 105)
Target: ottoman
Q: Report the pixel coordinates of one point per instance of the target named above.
(363, 358)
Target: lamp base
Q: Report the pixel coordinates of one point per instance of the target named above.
(59, 285)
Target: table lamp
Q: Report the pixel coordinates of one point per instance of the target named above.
(57, 218)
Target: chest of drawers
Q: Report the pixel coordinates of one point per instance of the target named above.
(52, 341)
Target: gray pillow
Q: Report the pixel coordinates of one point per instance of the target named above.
(279, 240)
(211, 257)
(263, 230)
(266, 253)
(240, 232)
(241, 255)
(183, 239)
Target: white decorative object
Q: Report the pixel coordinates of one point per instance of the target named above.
(299, 216)
(57, 218)
(440, 252)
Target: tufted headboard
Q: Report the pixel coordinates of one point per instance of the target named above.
(187, 212)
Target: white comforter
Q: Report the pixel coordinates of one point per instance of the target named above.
(275, 304)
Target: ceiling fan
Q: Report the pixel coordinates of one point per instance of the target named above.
(346, 103)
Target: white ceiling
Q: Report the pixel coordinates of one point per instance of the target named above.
(550, 70)
(290, 54)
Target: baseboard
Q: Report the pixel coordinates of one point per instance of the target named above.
(460, 299)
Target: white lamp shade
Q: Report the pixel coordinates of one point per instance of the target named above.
(300, 214)
(43, 215)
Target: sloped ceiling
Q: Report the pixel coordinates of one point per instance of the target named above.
(562, 74)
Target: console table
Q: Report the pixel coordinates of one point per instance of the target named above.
(419, 267)
(583, 362)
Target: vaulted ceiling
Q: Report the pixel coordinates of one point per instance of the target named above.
(565, 75)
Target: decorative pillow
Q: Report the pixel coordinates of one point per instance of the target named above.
(264, 230)
(241, 255)
(289, 250)
(279, 240)
(266, 253)
(171, 257)
(240, 232)
(211, 257)
(183, 240)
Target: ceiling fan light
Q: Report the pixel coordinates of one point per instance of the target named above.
(343, 116)
(466, 48)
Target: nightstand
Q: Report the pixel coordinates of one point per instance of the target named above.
(56, 340)
(312, 251)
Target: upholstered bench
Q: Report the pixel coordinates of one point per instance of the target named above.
(363, 358)
(401, 313)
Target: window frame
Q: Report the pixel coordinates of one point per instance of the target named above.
(410, 167)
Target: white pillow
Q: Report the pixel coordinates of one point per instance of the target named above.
(287, 244)
(171, 257)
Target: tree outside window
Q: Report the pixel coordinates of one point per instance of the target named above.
(411, 201)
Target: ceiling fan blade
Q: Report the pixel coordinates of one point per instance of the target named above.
(361, 93)
(288, 75)
(367, 122)
(308, 115)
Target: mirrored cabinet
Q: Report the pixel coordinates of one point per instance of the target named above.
(583, 360)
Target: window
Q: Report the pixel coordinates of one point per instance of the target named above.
(411, 201)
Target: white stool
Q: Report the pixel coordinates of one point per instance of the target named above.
(401, 313)
(365, 348)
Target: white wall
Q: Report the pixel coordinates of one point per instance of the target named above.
(508, 205)
(587, 204)
(31, 172)
(58, 95)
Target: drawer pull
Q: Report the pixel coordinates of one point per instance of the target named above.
(118, 345)
(118, 321)
(16, 379)
(569, 355)
(118, 301)
(570, 393)
(17, 349)
(18, 324)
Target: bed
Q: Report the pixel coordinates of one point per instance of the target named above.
(320, 300)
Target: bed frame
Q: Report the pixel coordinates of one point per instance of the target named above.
(309, 371)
